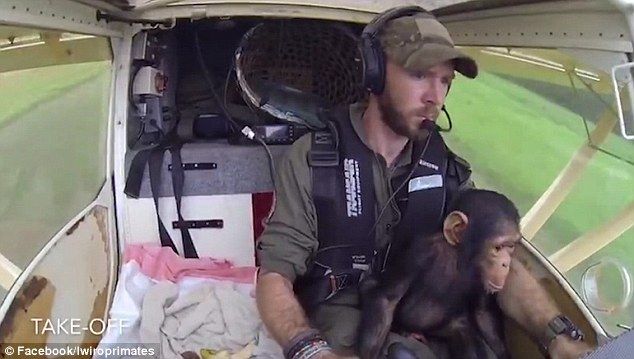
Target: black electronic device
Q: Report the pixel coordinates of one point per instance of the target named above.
(211, 126)
(277, 134)
(153, 85)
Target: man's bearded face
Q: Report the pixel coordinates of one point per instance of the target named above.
(411, 98)
(409, 125)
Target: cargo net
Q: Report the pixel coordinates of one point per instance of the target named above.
(310, 56)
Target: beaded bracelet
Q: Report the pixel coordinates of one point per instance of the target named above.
(305, 345)
(312, 349)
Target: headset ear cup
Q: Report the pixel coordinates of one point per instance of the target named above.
(368, 62)
(373, 64)
(379, 56)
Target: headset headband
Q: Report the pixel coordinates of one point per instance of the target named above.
(371, 52)
(374, 26)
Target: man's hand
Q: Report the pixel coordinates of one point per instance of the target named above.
(327, 354)
(563, 347)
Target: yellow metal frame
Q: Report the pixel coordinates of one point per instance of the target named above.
(9, 272)
(548, 203)
(588, 244)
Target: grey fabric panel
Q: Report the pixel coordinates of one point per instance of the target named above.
(241, 169)
(620, 347)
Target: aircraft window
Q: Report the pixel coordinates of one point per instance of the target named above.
(597, 212)
(54, 107)
(525, 119)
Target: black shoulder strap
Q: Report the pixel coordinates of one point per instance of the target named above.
(343, 194)
(324, 147)
(155, 164)
(178, 181)
(458, 176)
(459, 168)
(135, 173)
(153, 157)
(426, 190)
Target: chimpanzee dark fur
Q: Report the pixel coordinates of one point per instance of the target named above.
(435, 290)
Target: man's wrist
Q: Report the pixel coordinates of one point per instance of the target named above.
(558, 328)
(554, 342)
(307, 344)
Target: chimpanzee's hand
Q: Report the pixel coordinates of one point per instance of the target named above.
(563, 347)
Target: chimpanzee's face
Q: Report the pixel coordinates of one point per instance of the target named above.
(484, 228)
(495, 262)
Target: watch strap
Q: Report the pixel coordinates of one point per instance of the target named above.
(561, 325)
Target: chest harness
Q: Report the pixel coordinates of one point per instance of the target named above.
(347, 210)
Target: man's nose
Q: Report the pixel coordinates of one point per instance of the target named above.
(435, 93)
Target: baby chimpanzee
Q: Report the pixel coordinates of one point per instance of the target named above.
(440, 285)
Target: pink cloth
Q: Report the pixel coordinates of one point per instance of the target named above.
(161, 263)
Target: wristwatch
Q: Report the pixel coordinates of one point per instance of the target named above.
(562, 325)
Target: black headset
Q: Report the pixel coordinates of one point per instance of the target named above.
(372, 55)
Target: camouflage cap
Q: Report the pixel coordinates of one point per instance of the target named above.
(418, 42)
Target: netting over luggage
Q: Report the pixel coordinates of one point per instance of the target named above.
(318, 59)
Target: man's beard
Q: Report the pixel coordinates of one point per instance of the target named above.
(397, 121)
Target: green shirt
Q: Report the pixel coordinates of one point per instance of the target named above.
(289, 240)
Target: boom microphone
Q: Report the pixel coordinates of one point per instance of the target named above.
(431, 126)
(444, 109)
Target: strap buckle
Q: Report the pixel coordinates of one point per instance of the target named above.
(323, 158)
(339, 282)
(336, 284)
(324, 150)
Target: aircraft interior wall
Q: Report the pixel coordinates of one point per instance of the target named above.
(236, 193)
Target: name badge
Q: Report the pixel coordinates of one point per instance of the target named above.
(425, 182)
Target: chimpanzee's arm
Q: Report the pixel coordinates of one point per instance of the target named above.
(529, 304)
(462, 339)
(488, 318)
(381, 299)
(376, 319)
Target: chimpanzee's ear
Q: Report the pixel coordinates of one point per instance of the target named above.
(454, 227)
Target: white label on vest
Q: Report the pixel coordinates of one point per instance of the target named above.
(425, 182)
(353, 187)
